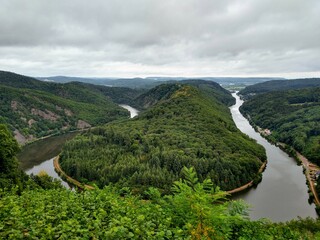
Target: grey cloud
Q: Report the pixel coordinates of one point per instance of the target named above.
(154, 36)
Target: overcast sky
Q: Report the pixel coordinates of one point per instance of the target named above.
(138, 38)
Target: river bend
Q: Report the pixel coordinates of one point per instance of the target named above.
(283, 194)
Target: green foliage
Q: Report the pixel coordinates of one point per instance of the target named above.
(185, 127)
(44, 181)
(10, 174)
(12, 178)
(199, 207)
(195, 210)
(292, 116)
(8, 148)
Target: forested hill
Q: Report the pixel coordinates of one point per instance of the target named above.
(279, 85)
(292, 116)
(185, 127)
(83, 92)
(164, 91)
(212, 89)
(33, 108)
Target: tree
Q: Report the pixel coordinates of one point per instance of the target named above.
(10, 174)
(8, 149)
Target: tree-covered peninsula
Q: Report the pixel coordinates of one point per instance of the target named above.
(183, 126)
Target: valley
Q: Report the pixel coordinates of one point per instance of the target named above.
(174, 156)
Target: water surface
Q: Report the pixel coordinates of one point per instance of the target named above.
(133, 112)
(283, 194)
(38, 156)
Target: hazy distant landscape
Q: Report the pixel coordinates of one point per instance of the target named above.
(149, 82)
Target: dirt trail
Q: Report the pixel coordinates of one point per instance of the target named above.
(249, 184)
(69, 179)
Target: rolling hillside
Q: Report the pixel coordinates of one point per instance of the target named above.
(33, 108)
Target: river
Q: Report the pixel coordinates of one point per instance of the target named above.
(283, 194)
(38, 156)
(133, 112)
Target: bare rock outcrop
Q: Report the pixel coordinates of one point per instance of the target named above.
(48, 115)
(82, 124)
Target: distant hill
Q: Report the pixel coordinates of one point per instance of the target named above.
(164, 91)
(151, 82)
(72, 90)
(279, 85)
(134, 83)
(33, 108)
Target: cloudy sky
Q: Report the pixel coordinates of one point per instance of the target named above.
(138, 38)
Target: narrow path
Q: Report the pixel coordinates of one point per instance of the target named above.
(306, 164)
(249, 184)
(69, 179)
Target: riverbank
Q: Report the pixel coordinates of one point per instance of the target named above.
(249, 184)
(53, 135)
(69, 179)
(310, 168)
(80, 185)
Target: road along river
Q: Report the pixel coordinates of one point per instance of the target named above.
(283, 194)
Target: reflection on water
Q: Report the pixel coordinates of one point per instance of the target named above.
(39, 155)
(47, 166)
(283, 194)
(39, 151)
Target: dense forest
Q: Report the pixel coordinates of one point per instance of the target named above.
(33, 108)
(183, 126)
(292, 116)
(211, 89)
(279, 85)
(37, 207)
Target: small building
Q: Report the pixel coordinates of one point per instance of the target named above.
(266, 132)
